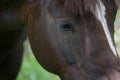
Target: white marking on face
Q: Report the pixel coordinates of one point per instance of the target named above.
(100, 14)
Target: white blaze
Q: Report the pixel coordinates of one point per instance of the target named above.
(100, 14)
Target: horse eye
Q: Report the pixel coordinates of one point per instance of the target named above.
(66, 27)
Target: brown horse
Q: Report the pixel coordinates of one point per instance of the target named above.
(74, 38)
(71, 38)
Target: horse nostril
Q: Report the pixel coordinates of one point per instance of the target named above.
(10, 21)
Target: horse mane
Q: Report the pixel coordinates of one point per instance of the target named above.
(75, 7)
(79, 7)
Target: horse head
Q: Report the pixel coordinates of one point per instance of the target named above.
(75, 39)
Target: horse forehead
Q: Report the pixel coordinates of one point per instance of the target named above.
(100, 14)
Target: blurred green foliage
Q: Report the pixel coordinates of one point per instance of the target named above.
(117, 38)
(117, 29)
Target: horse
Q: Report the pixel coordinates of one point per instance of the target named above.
(71, 38)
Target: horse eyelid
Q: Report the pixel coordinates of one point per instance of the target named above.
(66, 26)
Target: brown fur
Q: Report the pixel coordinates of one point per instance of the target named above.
(80, 54)
(79, 7)
(95, 61)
